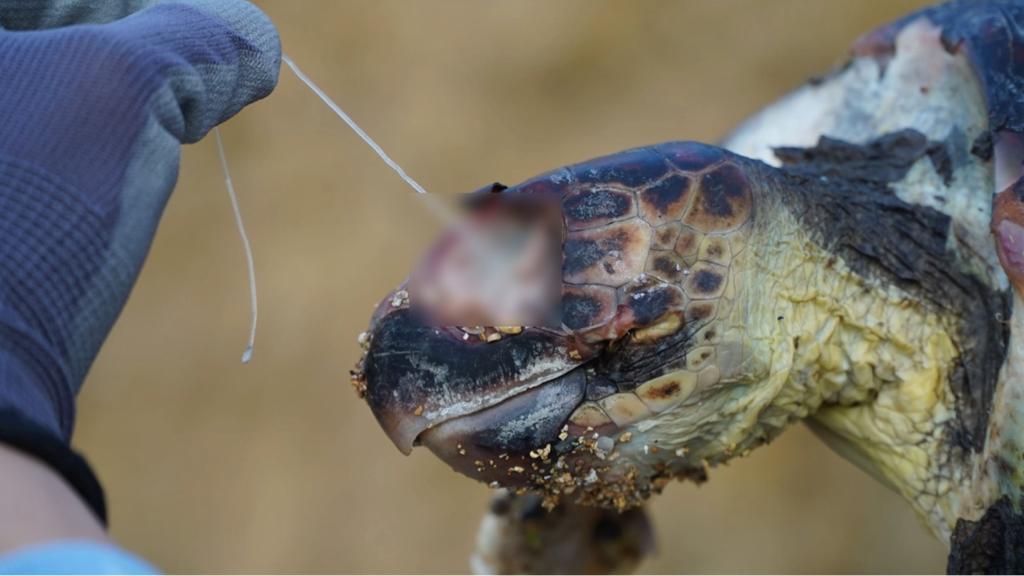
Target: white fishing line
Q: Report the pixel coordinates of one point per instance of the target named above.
(254, 308)
(352, 124)
(440, 210)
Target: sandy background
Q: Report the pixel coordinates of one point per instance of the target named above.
(216, 467)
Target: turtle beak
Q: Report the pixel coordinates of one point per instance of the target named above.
(456, 391)
(499, 267)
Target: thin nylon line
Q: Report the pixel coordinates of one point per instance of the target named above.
(254, 308)
(352, 124)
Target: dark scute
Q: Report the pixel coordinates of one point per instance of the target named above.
(630, 168)
(579, 310)
(666, 266)
(666, 193)
(697, 312)
(650, 305)
(596, 205)
(707, 281)
(551, 184)
(992, 545)
(691, 156)
(720, 188)
(582, 253)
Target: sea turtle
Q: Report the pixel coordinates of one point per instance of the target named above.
(851, 256)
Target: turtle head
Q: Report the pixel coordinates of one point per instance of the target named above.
(574, 397)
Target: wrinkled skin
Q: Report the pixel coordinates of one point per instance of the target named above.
(838, 260)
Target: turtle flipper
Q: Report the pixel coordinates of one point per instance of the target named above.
(519, 536)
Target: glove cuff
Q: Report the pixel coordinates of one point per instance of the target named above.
(23, 434)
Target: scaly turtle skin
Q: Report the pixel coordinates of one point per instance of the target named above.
(838, 260)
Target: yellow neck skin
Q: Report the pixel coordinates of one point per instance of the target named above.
(869, 364)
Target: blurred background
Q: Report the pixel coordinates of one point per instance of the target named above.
(213, 466)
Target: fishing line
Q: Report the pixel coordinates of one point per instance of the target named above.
(253, 306)
(439, 209)
(352, 124)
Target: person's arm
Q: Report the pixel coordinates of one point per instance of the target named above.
(38, 505)
(96, 99)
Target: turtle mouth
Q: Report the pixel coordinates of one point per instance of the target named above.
(499, 443)
(463, 395)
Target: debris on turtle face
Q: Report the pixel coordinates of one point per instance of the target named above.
(358, 381)
(399, 299)
(541, 453)
(364, 340)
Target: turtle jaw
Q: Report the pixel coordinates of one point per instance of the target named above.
(497, 445)
(419, 377)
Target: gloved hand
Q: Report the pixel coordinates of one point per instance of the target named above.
(95, 100)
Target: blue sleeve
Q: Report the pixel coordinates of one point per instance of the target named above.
(73, 557)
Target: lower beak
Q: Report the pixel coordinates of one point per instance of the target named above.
(503, 443)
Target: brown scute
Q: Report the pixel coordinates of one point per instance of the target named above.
(587, 306)
(582, 253)
(610, 255)
(650, 304)
(666, 390)
(704, 283)
(665, 236)
(593, 207)
(691, 156)
(699, 312)
(715, 249)
(688, 242)
(666, 200)
(552, 184)
(580, 310)
(707, 281)
(630, 168)
(724, 201)
(665, 265)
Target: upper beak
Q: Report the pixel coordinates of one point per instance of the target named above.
(418, 376)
